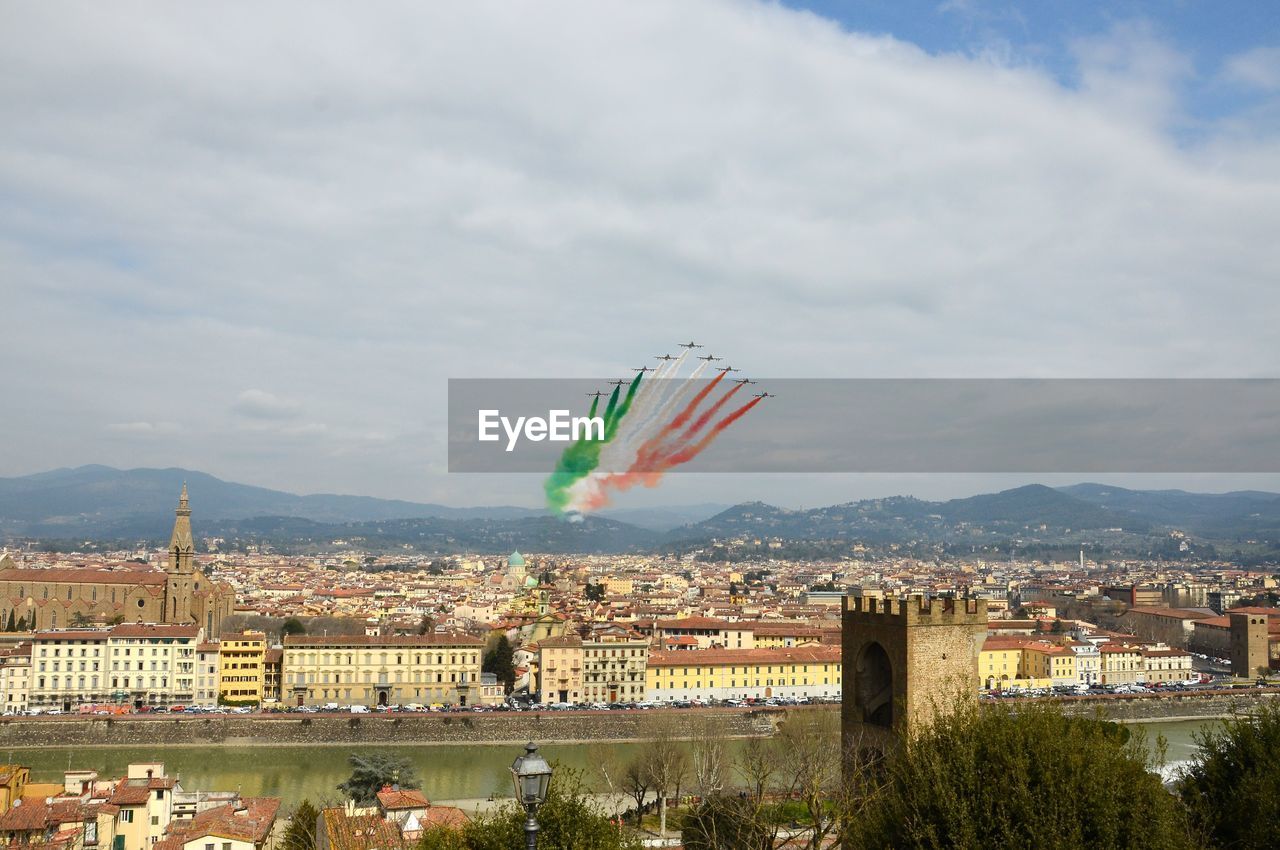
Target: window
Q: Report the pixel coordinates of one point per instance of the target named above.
(126, 815)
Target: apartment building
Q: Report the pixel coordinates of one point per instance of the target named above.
(242, 667)
(813, 671)
(382, 669)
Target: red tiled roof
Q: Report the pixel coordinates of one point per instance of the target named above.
(789, 655)
(431, 640)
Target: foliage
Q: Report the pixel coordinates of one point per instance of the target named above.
(442, 838)
(566, 821)
(501, 661)
(371, 771)
(991, 777)
(292, 626)
(1232, 787)
(726, 822)
(426, 626)
(300, 833)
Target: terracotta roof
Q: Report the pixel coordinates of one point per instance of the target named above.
(143, 630)
(447, 816)
(431, 640)
(85, 576)
(789, 655)
(250, 820)
(402, 798)
(361, 832)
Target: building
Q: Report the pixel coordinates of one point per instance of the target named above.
(613, 665)
(208, 673)
(381, 670)
(144, 804)
(141, 664)
(702, 633)
(1166, 665)
(1120, 664)
(560, 669)
(242, 668)
(717, 674)
(245, 824)
(180, 593)
(907, 659)
(1172, 626)
(272, 673)
(1250, 653)
(15, 679)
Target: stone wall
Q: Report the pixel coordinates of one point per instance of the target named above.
(293, 729)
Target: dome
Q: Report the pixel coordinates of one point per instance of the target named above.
(515, 559)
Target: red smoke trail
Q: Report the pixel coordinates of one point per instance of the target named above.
(702, 420)
(650, 465)
(683, 416)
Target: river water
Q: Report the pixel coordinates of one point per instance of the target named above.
(447, 771)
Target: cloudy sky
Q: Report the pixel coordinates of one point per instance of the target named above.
(256, 239)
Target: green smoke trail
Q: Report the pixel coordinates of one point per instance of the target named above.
(581, 457)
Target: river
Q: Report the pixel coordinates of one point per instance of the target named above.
(448, 772)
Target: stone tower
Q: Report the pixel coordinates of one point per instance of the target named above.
(906, 659)
(181, 567)
(1250, 650)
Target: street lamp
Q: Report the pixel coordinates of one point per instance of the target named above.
(531, 775)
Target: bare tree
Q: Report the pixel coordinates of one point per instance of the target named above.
(810, 764)
(709, 760)
(667, 764)
(605, 764)
(635, 781)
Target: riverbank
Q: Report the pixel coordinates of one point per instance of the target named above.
(566, 727)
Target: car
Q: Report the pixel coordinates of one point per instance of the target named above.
(359, 709)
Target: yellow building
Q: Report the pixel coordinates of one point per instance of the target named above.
(242, 667)
(706, 674)
(560, 669)
(381, 670)
(1011, 662)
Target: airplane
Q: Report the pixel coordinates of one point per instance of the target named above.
(663, 357)
(727, 369)
(744, 381)
(617, 383)
(597, 394)
(689, 344)
(765, 395)
(709, 357)
(645, 369)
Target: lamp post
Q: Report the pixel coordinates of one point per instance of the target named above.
(532, 776)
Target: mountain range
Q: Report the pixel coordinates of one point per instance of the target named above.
(102, 503)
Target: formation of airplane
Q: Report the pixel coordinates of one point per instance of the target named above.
(709, 357)
(744, 381)
(726, 369)
(645, 369)
(765, 395)
(597, 394)
(663, 357)
(689, 344)
(617, 383)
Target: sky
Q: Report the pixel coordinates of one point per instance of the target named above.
(256, 239)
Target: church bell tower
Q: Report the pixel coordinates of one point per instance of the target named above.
(181, 568)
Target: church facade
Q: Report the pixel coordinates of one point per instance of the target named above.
(179, 593)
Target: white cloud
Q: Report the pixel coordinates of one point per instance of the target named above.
(144, 427)
(1258, 68)
(260, 404)
(349, 205)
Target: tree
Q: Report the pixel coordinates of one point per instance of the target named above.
(501, 662)
(667, 764)
(1232, 786)
(566, 821)
(116, 620)
(79, 620)
(300, 833)
(606, 765)
(726, 822)
(426, 626)
(594, 592)
(292, 626)
(373, 771)
(635, 782)
(989, 777)
(11, 625)
(810, 750)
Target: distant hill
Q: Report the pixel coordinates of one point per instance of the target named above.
(96, 500)
(105, 504)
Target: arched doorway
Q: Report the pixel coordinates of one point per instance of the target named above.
(875, 686)
(382, 697)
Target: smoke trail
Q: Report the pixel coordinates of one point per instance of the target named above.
(653, 463)
(578, 459)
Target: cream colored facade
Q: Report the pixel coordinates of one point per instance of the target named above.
(208, 674)
(141, 664)
(389, 670)
(813, 671)
(15, 679)
(242, 667)
(560, 669)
